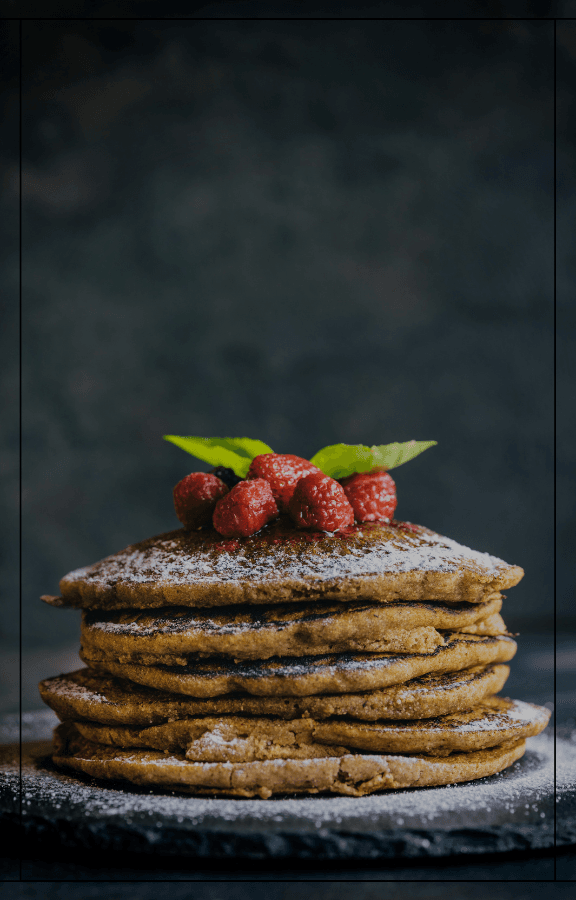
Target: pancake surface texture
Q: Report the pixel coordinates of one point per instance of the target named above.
(240, 739)
(353, 775)
(116, 701)
(304, 675)
(278, 564)
(297, 629)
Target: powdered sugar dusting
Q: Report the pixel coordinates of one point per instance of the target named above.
(522, 711)
(517, 714)
(178, 558)
(65, 686)
(227, 620)
(522, 793)
(329, 664)
(503, 715)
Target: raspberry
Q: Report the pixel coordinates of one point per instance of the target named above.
(228, 476)
(246, 509)
(320, 502)
(195, 498)
(372, 496)
(282, 471)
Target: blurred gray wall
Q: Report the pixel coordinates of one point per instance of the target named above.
(304, 232)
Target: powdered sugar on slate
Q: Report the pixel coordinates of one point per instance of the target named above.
(522, 793)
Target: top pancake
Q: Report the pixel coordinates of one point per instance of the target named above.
(280, 564)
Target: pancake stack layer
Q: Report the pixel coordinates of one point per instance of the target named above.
(351, 662)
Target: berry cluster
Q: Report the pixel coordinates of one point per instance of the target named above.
(281, 483)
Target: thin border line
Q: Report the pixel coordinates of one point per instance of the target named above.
(256, 19)
(280, 19)
(554, 463)
(20, 419)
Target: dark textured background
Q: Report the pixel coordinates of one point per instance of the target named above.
(253, 890)
(305, 232)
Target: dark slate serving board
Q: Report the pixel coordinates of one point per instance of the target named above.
(506, 812)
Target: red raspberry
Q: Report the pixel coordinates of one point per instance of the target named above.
(320, 502)
(282, 471)
(372, 496)
(246, 509)
(195, 498)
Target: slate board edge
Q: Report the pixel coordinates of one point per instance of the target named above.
(327, 844)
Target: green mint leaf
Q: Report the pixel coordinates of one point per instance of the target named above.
(234, 453)
(340, 460)
(394, 455)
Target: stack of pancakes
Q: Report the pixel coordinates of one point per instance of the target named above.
(350, 662)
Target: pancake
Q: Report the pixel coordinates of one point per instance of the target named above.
(305, 675)
(168, 635)
(246, 739)
(115, 701)
(491, 625)
(278, 564)
(493, 722)
(354, 775)
(227, 739)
